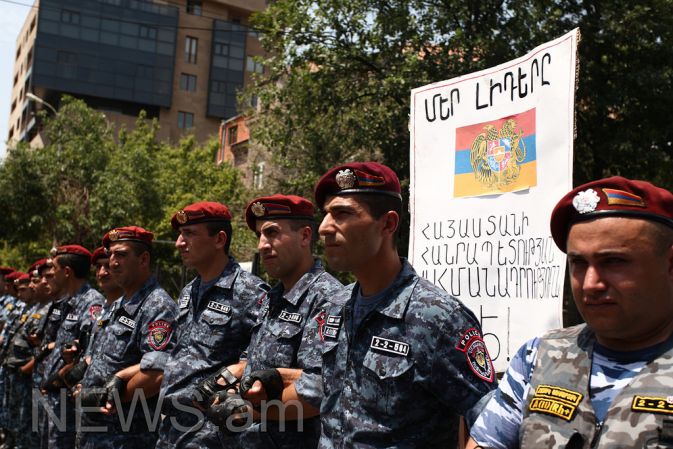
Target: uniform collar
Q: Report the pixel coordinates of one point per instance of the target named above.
(130, 305)
(74, 299)
(228, 276)
(297, 291)
(399, 291)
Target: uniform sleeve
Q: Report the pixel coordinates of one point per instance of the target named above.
(156, 333)
(499, 422)
(461, 370)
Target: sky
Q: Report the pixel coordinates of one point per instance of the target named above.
(12, 15)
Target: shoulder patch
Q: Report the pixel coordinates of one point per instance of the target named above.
(95, 311)
(476, 354)
(159, 334)
(380, 344)
(219, 307)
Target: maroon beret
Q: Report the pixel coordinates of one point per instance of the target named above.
(200, 212)
(77, 250)
(6, 270)
(21, 278)
(98, 253)
(610, 197)
(278, 206)
(128, 234)
(11, 277)
(34, 269)
(357, 177)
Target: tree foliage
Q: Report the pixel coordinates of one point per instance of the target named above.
(339, 75)
(86, 181)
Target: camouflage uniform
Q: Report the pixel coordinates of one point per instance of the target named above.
(277, 343)
(552, 392)
(134, 330)
(402, 379)
(81, 311)
(14, 315)
(20, 352)
(210, 333)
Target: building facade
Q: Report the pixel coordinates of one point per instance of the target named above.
(182, 61)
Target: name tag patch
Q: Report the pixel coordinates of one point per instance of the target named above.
(56, 312)
(221, 308)
(652, 404)
(72, 317)
(330, 332)
(290, 317)
(556, 401)
(126, 321)
(390, 346)
(334, 320)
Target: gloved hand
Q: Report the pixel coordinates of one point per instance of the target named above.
(204, 390)
(93, 397)
(70, 351)
(42, 353)
(115, 387)
(271, 381)
(228, 404)
(76, 374)
(52, 383)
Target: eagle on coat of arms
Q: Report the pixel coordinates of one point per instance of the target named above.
(495, 155)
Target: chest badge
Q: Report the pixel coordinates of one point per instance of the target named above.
(128, 322)
(72, 317)
(555, 401)
(220, 308)
(380, 344)
(290, 317)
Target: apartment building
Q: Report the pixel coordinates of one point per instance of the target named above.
(182, 61)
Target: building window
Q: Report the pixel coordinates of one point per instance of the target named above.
(70, 17)
(221, 49)
(147, 32)
(194, 7)
(185, 120)
(191, 47)
(233, 135)
(188, 82)
(66, 58)
(254, 66)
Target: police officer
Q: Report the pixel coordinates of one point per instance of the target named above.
(606, 383)
(286, 230)
(217, 312)
(5, 297)
(67, 275)
(127, 360)
(401, 358)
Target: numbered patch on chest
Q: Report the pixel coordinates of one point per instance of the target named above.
(128, 322)
(220, 308)
(385, 345)
(291, 317)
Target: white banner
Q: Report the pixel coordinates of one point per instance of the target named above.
(491, 154)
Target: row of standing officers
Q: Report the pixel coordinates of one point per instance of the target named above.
(388, 361)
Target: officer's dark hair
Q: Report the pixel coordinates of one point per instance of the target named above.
(214, 227)
(138, 248)
(79, 264)
(297, 224)
(378, 205)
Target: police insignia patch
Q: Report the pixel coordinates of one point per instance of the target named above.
(95, 311)
(258, 209)
(476, 353)
(586, 201)
(345, 179)
(159, 334)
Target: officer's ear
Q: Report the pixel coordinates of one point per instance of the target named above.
(391, 222)
(306, 234)
(221, 239)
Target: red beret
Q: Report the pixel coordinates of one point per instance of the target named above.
(98, 253)
(200, 212)
(610, 197)
(11, 277)
(21, 278)
(34, 269)
(278, 206)
(128, 234)
(6, 270)
(357, 177)
(77, 250)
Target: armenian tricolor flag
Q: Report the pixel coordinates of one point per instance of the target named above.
(368, 180)
(621, 197)
(277, 209)
(497, 156)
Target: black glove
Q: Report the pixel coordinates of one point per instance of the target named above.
(42, 353)
(115, 387)
(76, 374)
(70, 345)
(205, 389)
(93, 397)
(229, 404)
(52, 383)
(271, 381)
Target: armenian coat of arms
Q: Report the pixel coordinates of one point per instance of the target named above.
(495, 155)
